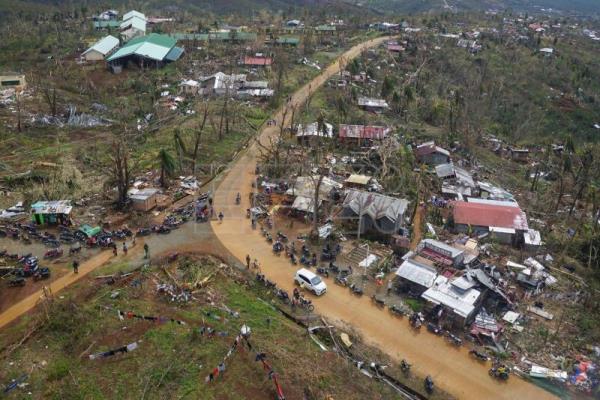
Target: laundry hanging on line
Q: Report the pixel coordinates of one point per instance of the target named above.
(110, 353)
(159, 320)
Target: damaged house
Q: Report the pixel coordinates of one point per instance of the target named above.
(305, 134)
(505, 223)
(152, 50)
(375, 212)
(303, 192)
(441, 253)
(415, 277)
(373, 105)
(430, 154)
(457, 183)
(362, 135)
(458, 297)
(221, 84)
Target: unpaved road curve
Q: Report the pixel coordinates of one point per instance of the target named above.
(452, 369)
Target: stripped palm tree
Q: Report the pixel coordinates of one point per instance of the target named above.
(167, 166)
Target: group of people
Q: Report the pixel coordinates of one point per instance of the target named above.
(75, 263)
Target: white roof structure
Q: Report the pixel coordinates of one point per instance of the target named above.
(104, 45)
(305, 204)
(189, 82)
(375, 205)
(460, 301)
(224, 81)
(421, 274)
(547, 50)
(356, 179)
(452, 252)
(135, 23)
(142, 194)
(533, 238)
(311, 130)
(370, 102)
(493, 202)
(495, 192)
(132, 14)
(305, 186)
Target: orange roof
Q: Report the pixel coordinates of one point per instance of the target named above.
(490, 215)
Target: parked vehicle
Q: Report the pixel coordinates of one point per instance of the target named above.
(310, 281)
(283, 296)
(435, 329)
(405, 366)
(341, 280)
(17, 281)
(399, 310)
(452, 338)
(499, 372)
(478, 355)
(378, 301)
(143, 232)
(53, 253)
(428, 384)
(306, 304)
(323, 271)
(416, 320)
(357, 290)
(42, 273)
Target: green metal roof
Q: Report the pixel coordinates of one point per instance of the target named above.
(288, 40)
(153, 46)
(222, 36)
(106, 24)
(325, 27)
(90, 231)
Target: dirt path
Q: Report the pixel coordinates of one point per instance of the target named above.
(452, 369)
(29, 302)
(417, 224)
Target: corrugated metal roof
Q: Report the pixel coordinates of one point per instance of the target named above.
(375, 205)
(104, 45)
(52, 207)
(369, 102)
(174, 54)
(363, 132)
(461, 302)
(134, 13)
(418, 273)
(258, 61)
(153, 46)
(134, 22)
(106, 24)
(489, 215)
(359, 179)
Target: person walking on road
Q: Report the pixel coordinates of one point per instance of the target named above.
(124, 248)
(248, 261)
(75, 267)
(221, 217)
(146, 250)
(114, 246)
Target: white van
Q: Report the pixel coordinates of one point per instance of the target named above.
(310, 281)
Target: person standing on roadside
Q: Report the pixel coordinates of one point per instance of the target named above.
(146, 250)
(75, 267)
(248, 261)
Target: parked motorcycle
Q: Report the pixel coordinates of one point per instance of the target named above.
(42, 273)
(283, 296)
(398, 310)
(341, 280)
(452, 338)
(17, 281)
(357, 290)
(53, 253)
(378, 302)
(435, 329)
(478, 355)
(428, 384)
(499, 372)
(323, 271)
(416, 320)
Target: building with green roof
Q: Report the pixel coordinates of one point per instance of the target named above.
(147, 50)
(288, 41)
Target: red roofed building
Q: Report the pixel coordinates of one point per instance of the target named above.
(258, 61)
(361, 134)
(506, 223)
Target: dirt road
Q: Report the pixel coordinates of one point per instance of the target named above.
(452, 369)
